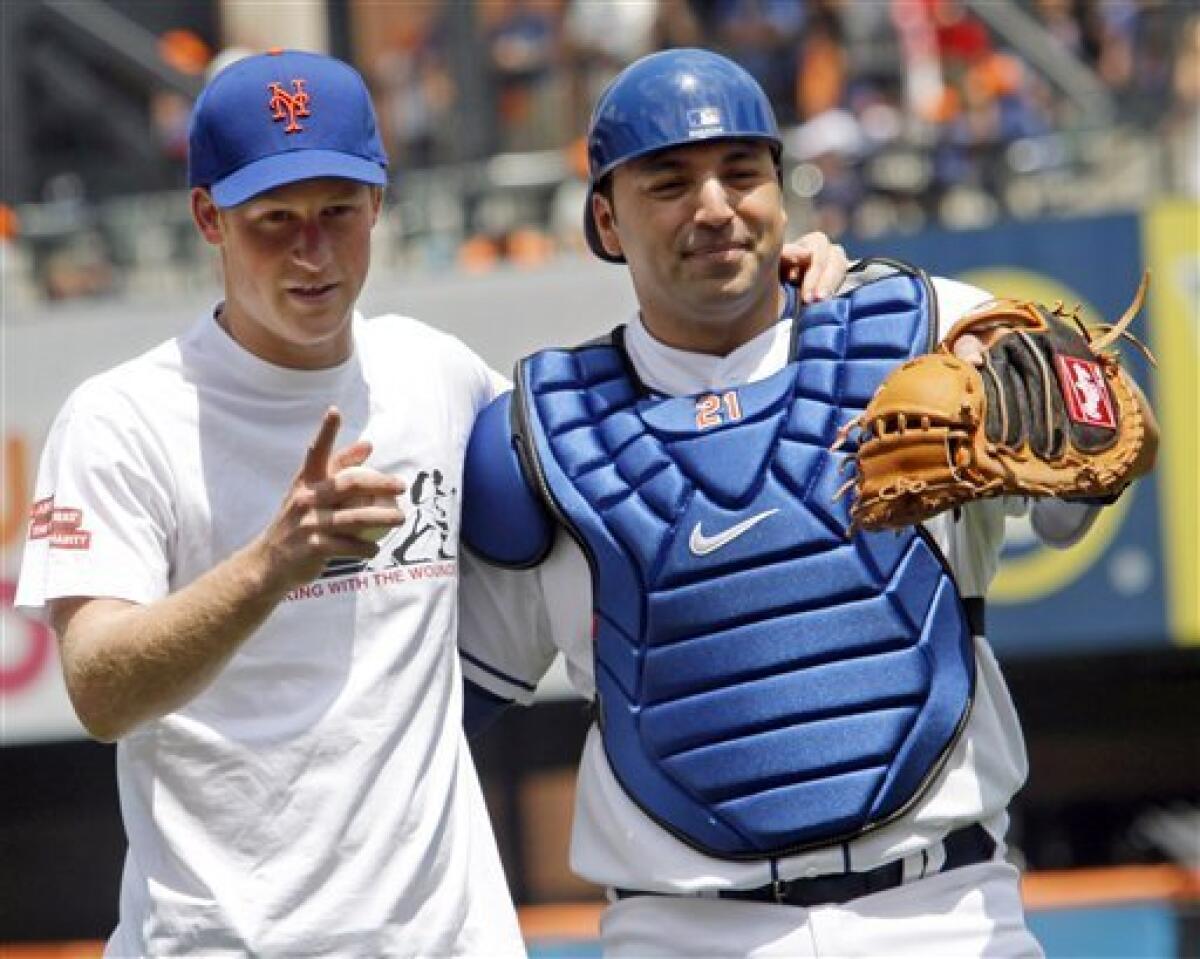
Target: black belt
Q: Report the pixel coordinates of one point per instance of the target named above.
(964, 847)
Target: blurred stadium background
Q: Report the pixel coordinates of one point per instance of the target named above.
(1043, 148)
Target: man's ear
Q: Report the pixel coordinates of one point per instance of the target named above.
(605, 218)
(207, 215)
(376, 203)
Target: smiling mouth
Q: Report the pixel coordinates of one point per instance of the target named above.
(312, 292)
(717, 249)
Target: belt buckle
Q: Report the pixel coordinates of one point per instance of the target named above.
(779, 891)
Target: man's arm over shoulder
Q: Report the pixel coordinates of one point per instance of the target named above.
(504, 638)
(504, 518)
(504, 635)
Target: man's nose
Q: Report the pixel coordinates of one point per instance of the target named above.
(712, 203)
(312, 243)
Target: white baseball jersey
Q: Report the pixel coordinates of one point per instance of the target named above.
(513, 624)
(318, 798)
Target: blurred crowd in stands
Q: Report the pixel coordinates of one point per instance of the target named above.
(897, 114)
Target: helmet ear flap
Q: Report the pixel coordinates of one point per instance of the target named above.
(603, 220)
(591, 229)
(668, 99)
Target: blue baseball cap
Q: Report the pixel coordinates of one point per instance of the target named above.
(276, 118)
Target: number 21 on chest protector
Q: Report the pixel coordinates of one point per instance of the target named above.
(713, 409)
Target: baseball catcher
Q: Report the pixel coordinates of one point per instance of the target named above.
(1018, 399)
(792, 727)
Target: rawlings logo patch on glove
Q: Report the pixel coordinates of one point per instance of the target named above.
(1042, 409)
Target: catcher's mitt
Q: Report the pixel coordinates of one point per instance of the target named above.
(1046, 412)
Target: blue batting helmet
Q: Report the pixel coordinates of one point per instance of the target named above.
(668, 99)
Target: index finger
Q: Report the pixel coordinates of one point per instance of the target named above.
(831, 274)
(794, 260)
(819, 254)
(316, 459)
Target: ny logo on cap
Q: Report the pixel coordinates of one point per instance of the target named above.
(289, 106)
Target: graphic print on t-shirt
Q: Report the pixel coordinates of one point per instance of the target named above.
(425, 537)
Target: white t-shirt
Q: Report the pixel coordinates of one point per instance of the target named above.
(318, 798)
(513, 623)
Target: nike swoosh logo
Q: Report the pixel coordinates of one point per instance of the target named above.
(702, 545)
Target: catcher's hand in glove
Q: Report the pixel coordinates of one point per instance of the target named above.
(1039, 408)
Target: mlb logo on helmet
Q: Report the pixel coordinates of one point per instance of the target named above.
(704, 121)
(277, 118)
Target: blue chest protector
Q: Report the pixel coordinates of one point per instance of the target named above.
(765, 683)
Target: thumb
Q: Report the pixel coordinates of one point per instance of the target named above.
(353, 455)
(970, 348)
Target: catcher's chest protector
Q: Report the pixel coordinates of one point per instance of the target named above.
(765, 684)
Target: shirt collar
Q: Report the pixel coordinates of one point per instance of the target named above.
(676, 372)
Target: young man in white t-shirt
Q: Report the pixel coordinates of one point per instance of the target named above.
(222, 541)
(804, 745)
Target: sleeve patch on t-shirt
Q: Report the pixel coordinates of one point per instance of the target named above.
(62, 525)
